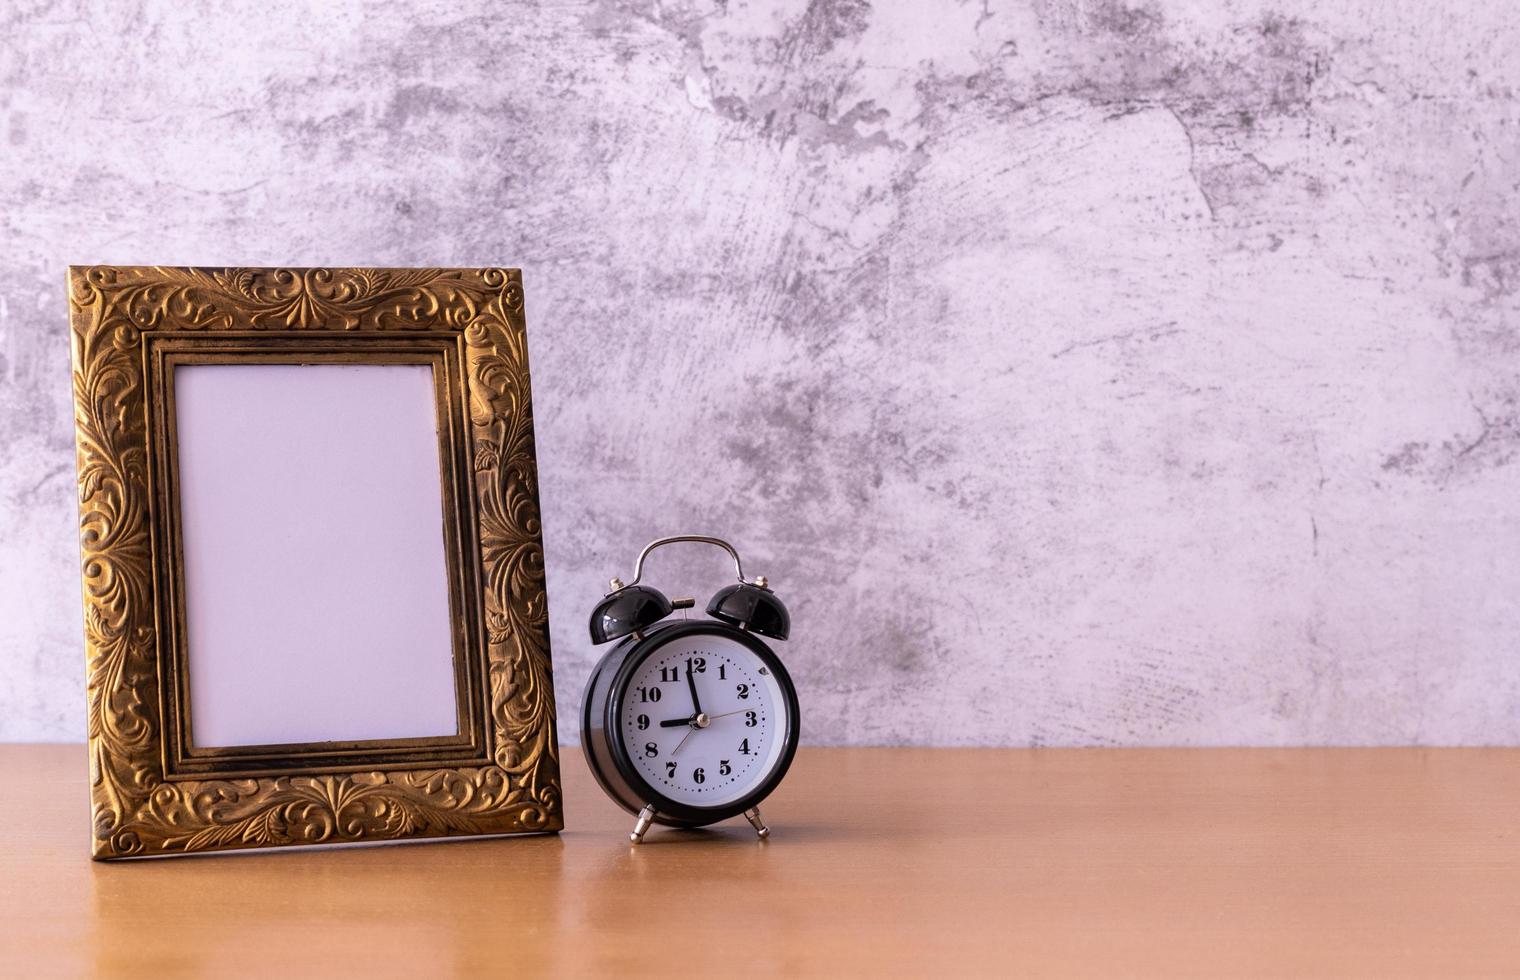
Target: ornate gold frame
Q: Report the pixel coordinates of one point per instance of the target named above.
(152, 791)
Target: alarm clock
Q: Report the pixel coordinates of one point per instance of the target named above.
(687, 722)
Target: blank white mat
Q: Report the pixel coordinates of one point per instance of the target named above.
(316, 590)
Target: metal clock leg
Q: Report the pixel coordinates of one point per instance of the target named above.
(753, 816)
(646, 817)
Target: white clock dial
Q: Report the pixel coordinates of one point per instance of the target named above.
(713, 748)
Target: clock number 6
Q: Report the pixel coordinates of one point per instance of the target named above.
(699, 776)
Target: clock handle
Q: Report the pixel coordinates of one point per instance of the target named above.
(638, 568)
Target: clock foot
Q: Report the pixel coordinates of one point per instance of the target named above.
(646, 817)
(753, 816)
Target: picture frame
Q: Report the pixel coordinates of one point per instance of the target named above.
(156, 787)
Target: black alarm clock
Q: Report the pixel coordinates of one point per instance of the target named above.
(689, 721)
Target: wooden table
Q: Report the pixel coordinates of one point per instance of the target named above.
(943, 863)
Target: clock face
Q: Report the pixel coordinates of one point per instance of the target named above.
(704, 720)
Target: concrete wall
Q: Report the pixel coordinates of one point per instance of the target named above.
(1082, 373)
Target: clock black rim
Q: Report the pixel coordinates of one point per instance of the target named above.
(593, 739)
(671, 812)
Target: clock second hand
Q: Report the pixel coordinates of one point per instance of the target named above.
(693, 729)
(696, 705)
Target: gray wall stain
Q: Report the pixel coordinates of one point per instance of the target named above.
(1080, 372)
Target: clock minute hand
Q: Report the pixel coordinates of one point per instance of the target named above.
(691, 682)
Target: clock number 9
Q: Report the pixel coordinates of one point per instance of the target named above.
(643, 721)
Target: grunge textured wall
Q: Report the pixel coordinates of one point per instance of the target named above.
(1082, 372)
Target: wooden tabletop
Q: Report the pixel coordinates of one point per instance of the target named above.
(927, 862)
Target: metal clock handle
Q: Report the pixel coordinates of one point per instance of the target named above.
(638, 568)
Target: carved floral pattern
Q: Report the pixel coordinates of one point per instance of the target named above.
(137, 811)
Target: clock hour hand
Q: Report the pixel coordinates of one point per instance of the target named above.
(677, 722)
